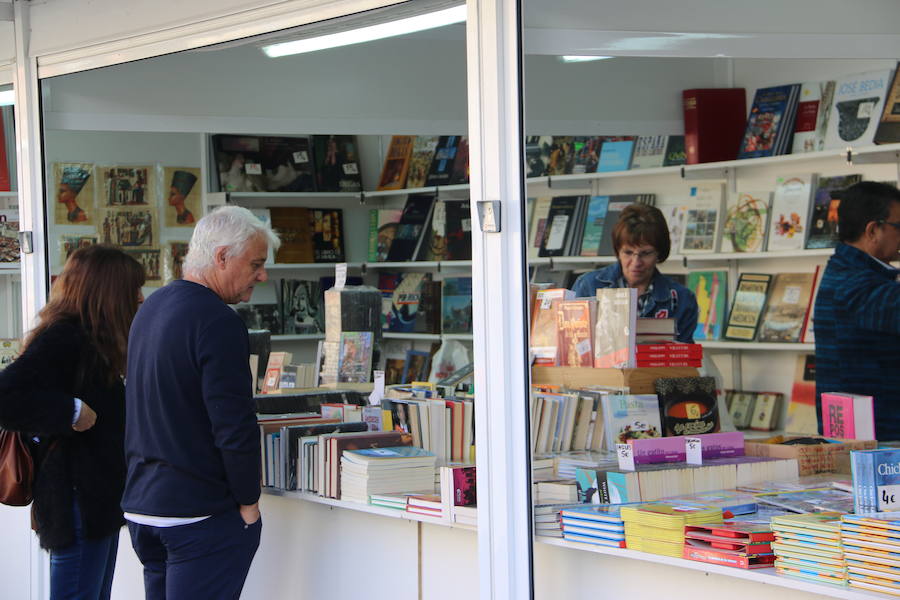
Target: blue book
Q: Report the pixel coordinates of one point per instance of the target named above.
(615, 156)
(594, 225)
(770, 125)
(876, 480)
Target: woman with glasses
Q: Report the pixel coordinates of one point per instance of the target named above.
(641, 241)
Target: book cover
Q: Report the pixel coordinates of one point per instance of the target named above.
(415, 305)
(587, 154)
(543, 338)
(396, 163)
(460, 172)
(771, 121)
(746, 222)
(790, 212)
(858, 103)
(410, 229)
(766, 411)
(823, 222)
(456, 305)
(573, 324)
(538, 224)
(416, 366)
(327, 226)
(562, 155)
(888, 130)
(702, 221)
(813, 111)
(614, 208)
(786, 310)
(671, 449)
(337, 163)
(747, 307)
(383, 224)
(261, 316)
(594, 220)
(628, 417)
(537, 155)
(300, 308)
(420, 162)
(294, 227)
(9, 350)
(649, 151)
(449, 232)
(441, 167)
(355, 362)
(615, 328)
(711, 290)
(714, 121)
(287, 164)
(676, 154)
(238, 163)
(560, 224)
(9, 236)
(848, 416)
(687, 405)
(615, 154)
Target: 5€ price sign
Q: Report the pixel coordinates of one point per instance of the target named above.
(694, 451)
(626, 457)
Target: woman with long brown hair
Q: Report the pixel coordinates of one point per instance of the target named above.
(66, 391)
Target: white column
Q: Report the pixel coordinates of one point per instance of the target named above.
(499, 312)
(31, 218)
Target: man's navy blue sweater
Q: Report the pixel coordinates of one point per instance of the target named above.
(191, 439)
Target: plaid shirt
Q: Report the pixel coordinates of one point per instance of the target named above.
(857, 325)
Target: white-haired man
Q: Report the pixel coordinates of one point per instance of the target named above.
(191, 440)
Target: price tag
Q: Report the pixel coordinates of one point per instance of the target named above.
(301, 157)
(378, 391)
(626, 457)
(253, 168)
(340, 275)
(351, 169)
(888, 498)
(692, 447)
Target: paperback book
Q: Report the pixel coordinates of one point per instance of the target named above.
(746, 222)
(790, 212)
(711, 290)
(747, 308)
(823, 221)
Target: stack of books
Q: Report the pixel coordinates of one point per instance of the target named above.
(425, 504)
(738, 544)
(871, 544)
(809, 547)
(668, 354)
(599, 524)
(385, 470)
(556, 491)
(659, 528)
(547, 521)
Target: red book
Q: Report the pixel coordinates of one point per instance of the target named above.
(692, 362)
(714, 122)
(674, 347)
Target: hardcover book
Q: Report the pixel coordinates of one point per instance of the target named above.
(355, 362)
(543, 338)
(714, 121)
(287, 164)
(676, 154)
(687, 405)
(615, 154)
(337, 163)
(771, 122)
(823, 221)
(766, 411)
(711, 290)
(848, 416)
(415, 305)
(649, 151)
(858, 103)
(449, 232)
(615, 329)
(574, 319)
(786, 311)
(888, 130)
(327, 234)
(294, 226)
(702, 222)
(396, 163)
(420, 162)
(239, 163)
(411, 227)
(790, 212)
(442, 164)
(560, 225)
(746, 222)
(9, 235)
(629, 417)
(537, 227)
(813, 111)
(747, 308)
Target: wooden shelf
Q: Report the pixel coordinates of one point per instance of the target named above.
(756, 346)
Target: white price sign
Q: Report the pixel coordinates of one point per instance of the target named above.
(340, 275)
(626, 457)
(888, 498)
(694, 450)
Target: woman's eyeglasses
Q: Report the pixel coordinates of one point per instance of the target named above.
(642, 255)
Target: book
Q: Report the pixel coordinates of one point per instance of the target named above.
(383, 224)
(672, 449)
(888, 130)
(544, 338)
(594, 221)
(287, 163)
(771, 121)
(538, 225)
(714, 121)
(337, 163)
(766, 411)
(702, 223)
(416, 366)
(705, 552)
(442, 163)
(809, 334)
(411, 227)
(615, 154)
(711, 290)
(562, 155)
(560, 225)
(614, 333)
(261, 316)
(456, 305)
(876, 475)
(747, 307)
(449, 232)
(742, 407)
(396, 163)
(746, 222)
(9, 234)
(460, 171)
(414, 305)
(848, 416)
(420, 161)
(687, 405)
(355, 363)
(574, 322)
(856, 110)
(823, 222)
(238, 163)
(649, 151)
(787, 307)
(537, 155)
(614, 208)
(628, 416)
(587, 154)
(813, 112)
(676, 154)
(301, 311)
(9, 350)
(790, 212)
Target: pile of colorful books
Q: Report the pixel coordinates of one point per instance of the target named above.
(658, 528)
(735, 544)
(808, 546)
(599, 524)
(871, 545)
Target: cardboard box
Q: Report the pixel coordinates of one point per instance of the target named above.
(638, 381)
(811, 458)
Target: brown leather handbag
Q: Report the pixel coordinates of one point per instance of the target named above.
(16, 469)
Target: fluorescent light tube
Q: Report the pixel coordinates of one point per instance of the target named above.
(439, 18)
(7, 98)
(573, 59)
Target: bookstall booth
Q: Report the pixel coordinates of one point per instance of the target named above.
(144, 105)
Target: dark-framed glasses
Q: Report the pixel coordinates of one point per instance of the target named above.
(893, 224)
(641, 255)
